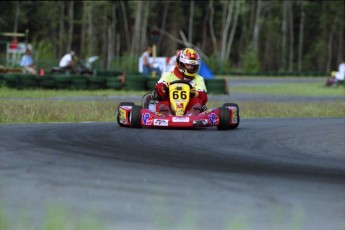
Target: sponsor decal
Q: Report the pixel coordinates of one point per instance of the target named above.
(213, 118)
(122, 116)
(202, 122)
(179, 105)
(159, 114)
(234, 115)
(180, 119)
(147, 119)
(160, 122)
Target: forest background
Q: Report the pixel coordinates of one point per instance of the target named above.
(231, 36)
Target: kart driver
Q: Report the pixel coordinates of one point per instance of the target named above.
(187, 67)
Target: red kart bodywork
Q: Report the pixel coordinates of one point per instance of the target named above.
(211, 117)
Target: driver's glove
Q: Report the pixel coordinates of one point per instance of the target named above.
(200, 94)
(194, 92)
(161, 88)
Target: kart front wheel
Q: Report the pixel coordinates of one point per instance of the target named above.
(234, 126)
(135, 116)
(118, 111)
(224, 119)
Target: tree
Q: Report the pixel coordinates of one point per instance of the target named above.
(301, 37)
(70, 24)
(284, 31)
(273, 35)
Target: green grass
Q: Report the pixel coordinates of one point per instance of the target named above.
(16, 108)
(291, 89)
(105, 111)
(55, 111)
(57, 217)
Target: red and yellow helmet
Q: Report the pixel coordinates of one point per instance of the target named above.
(188, 62)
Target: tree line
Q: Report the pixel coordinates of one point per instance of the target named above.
(233, 35)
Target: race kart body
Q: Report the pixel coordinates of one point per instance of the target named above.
(145, 115)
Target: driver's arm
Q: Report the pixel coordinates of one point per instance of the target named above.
(162, 85)
(200, 88)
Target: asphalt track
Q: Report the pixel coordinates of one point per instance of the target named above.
(268, 174)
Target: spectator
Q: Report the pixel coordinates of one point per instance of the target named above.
(68, 62)
(28, 63)
(14, 44)
(148, 67)
(145, 58)
(337, 76)
(340, 75)
(172, 61)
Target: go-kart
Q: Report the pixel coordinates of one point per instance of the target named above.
(145, 115)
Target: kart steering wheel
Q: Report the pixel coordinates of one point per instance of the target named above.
(182, 81)
(192, 92)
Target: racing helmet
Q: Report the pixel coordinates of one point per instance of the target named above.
(188, 62)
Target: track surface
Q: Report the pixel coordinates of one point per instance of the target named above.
(267, 174)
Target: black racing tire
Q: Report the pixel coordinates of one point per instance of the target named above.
(224, 119)
(118, 111)
(79, 82)
(27, 81)
(113, 82)
(95, 83)
(47, 82)
(238, 113)
(135, 117)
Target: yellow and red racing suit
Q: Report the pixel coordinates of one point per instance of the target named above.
(197, 83)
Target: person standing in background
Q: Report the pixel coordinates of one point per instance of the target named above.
(14, 43)
(149, 67)
(172, 61)
(145, 58)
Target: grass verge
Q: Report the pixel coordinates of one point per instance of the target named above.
(15, 108)
(291, 89)
(21, 111)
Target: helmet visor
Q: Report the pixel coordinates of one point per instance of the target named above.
(191, 68)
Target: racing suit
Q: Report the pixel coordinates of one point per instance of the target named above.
(195, 104)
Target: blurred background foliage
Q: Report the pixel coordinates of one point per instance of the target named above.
(231, 36)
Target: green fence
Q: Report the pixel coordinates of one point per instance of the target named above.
(127, 63)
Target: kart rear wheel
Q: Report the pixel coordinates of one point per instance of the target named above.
(118, 111)
(224, 119)
(237, 114)
(229, 105)
(135, 117)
